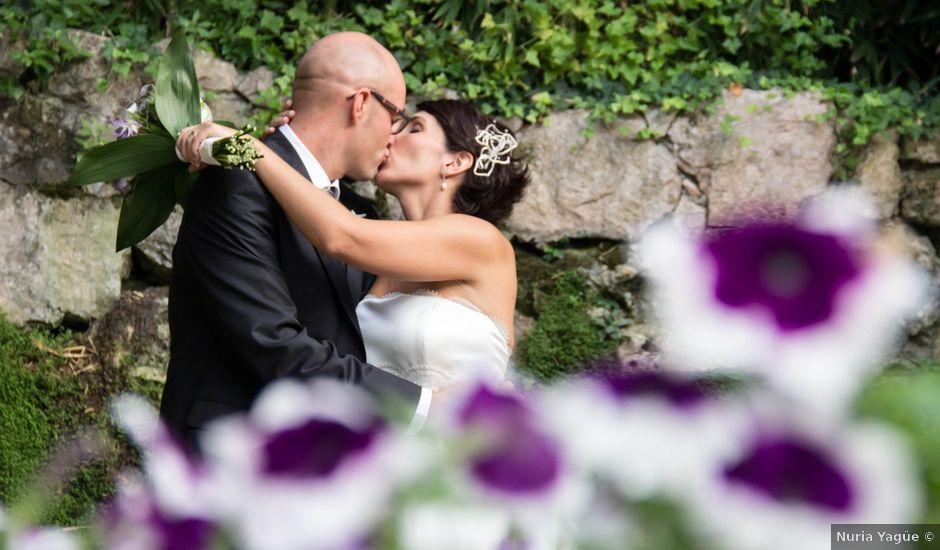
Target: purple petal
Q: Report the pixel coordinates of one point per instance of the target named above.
(788, 470)
(794, 274)
(682, 393)
(183, 534)
(510, 543)
(122, 185)
(314, 449)
(486, 406)
(527, 462)
(125, 127)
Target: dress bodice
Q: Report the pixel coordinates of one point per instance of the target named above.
(432, 340)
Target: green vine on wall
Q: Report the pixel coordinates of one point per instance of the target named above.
(527, 58)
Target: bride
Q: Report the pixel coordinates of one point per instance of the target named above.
(441, 308)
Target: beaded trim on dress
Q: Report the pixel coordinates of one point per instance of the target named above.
(503, 331)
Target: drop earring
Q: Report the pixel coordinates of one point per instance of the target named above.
(443, 183)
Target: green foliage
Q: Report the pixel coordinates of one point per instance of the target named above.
(874, 60)
(565, 337)
(907, 398)
(893, 43)
(177, 92)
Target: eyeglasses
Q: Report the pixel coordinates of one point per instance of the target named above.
(400, 119)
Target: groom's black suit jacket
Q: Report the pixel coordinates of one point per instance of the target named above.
(252, 300)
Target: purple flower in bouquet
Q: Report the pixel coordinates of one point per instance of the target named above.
(145, 151)
(811, 304)
(785, 486)
(125, 127)
(122, 185)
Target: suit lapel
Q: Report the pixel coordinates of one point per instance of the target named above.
(335, 270)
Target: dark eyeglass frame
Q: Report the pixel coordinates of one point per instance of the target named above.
(400, 119)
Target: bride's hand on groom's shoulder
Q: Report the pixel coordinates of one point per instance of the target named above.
(285, 117)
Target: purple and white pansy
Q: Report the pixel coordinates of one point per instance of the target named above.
(786, 485)
(648, 432)
(134, 520)
(783, 297)
(311, 465)
(174, 507)
(504, 468)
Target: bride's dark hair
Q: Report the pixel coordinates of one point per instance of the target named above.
(489, 197)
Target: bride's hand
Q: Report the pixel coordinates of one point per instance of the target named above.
(189, 139)
(285, 117)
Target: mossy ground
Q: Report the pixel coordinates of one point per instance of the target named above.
(52, 389)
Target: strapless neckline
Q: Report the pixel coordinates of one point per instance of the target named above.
(427, 292)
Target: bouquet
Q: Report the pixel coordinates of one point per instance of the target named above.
(144, 155)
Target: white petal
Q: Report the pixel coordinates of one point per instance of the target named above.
(138, 418)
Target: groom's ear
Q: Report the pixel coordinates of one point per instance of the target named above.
(358, 105)
(461, 162)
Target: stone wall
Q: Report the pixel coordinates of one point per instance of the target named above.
(56, 252)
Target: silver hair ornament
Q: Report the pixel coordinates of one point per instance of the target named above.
(497, 147)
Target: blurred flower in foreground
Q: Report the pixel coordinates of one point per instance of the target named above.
(812, 304)
(135, 520)
(504, 481)
(784, 487)
(513, 458)
(34, 538)
(174, 507)
(311, 466)
(649, 432)
(43, 538)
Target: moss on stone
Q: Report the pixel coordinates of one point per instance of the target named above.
(537, 267)
(564, 338)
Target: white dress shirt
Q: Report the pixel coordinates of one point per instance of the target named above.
(322, 181)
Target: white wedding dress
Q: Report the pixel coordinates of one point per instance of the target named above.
(432, 340)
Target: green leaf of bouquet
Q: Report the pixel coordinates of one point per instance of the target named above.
(177, 90)
(149, 205)
(184, 186)
(123, 158)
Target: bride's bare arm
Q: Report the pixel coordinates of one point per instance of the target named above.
(450, 247)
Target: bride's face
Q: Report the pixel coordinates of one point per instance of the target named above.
(416, 156)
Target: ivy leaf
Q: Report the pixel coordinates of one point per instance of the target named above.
(532, 58)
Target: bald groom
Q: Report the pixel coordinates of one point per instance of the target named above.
(251, 299)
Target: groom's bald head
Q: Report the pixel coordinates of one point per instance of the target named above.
(337, 65)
